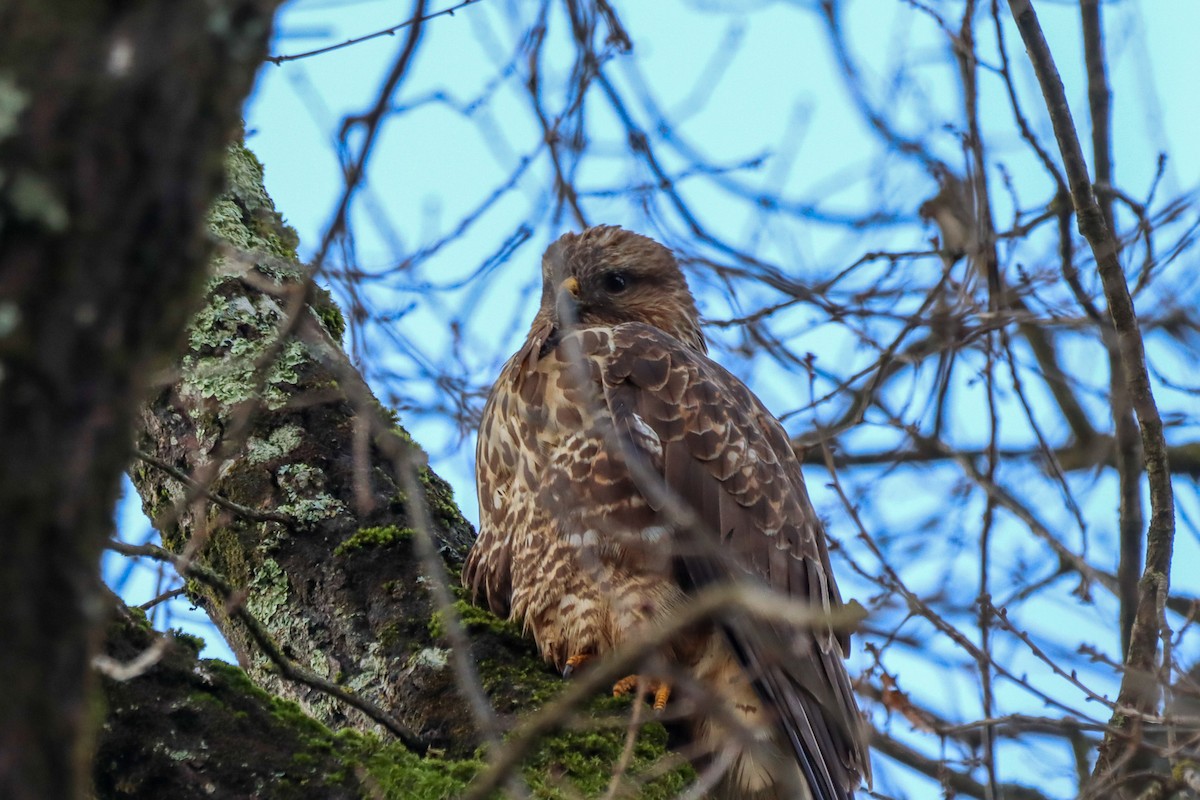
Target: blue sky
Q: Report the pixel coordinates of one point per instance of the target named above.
(754, 88)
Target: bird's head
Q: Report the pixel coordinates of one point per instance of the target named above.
(607, 276)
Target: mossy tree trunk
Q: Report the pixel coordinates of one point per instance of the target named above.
(114, 117)
(262, 415)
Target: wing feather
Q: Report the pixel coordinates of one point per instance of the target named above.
(726, 456)
(487, 572)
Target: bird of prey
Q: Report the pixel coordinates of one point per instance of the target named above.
(609, 420)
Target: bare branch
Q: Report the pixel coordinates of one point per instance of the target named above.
(1143, 649)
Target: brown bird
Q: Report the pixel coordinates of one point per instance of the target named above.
(612, 385)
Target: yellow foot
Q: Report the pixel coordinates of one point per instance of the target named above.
(575, 662)
(660, 690)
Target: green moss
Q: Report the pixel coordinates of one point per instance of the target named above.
(512, 688)
(140, 618)
(400, 775)
(193, 643)
(397, 430)
(374, 537)
(206, 701)
(391, 635)
(568, 765)
(312, 737)
(440, 499)
(227, 555)
(473, 619)
(315, 741)
(328, 312)
(391, 771)
(582, 762)
(577, 762)
(237, 679)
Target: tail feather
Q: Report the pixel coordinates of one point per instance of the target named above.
(777, 740)
(823, 743)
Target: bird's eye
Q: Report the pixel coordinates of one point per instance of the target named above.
(616, 282)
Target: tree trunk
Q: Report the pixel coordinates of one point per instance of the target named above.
(261, 414)
(113, 120)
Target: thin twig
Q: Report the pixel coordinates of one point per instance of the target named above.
(245, 512)
(445, 12)
(162, 598)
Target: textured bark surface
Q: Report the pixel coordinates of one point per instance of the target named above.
(114, 118)
(198, 714)
(340, 585)
(339, 588)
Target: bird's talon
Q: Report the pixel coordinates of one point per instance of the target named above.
(625, 685)
(575, 662)
(660, 690)
(661, 695)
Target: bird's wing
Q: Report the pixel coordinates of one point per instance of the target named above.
(723, 454)
(501, 463)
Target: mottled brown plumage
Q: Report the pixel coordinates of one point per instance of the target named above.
(575, 545)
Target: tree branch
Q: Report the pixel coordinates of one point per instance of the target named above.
(1128, 454)
(935, 768)
(1184, 459)
(1138, 689)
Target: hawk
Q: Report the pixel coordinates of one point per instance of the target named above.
(613, 391)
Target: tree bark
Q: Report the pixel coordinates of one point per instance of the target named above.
(190, 729)
(113, 120)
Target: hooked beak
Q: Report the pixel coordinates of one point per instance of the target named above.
(567, 301)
